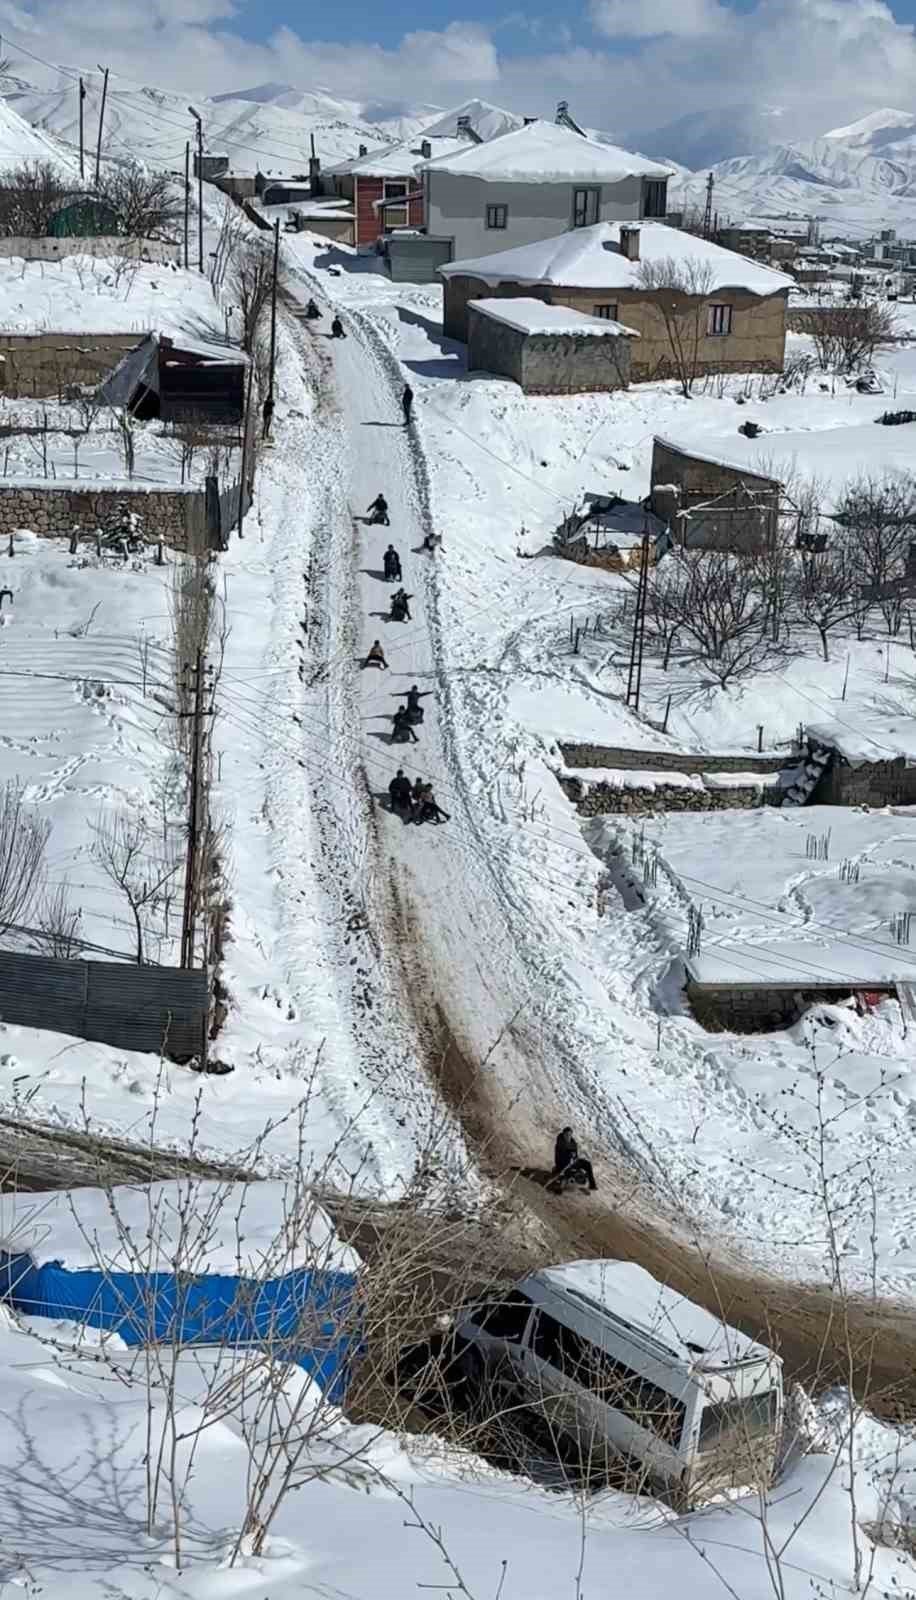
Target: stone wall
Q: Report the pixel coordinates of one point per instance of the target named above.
(608, 755)
(728, 1008)
(548, 363)
(756, 343)
(176, 516)
(45, 364)
(681, 480)
(874, 783)
(48, 249)
(602, 799)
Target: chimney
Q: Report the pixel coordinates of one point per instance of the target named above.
(364, 149)
(562, 110)
(463, 127)
(629, 241)
(426, 149)
(314, 172)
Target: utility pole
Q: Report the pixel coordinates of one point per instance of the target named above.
(707, 215)
(246, 424)
(634, 676)
(200, 188)
(189, 911)
(187, 195)
(273, 310)
(82, 139)
(98, 148)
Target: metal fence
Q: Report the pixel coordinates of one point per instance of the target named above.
(155, 1009)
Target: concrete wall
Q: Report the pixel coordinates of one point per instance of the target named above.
(44, 364)
(609, 755)
(47, 249)
(53, 510)
(456, 208)
(556, 363)
(757, 342)
(601, 799)
(734, 523)
(727, 1008)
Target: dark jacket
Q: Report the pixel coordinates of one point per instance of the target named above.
(564, 1151)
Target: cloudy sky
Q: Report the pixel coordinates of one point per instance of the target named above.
(791, 67)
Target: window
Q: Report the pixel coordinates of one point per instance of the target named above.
(505, 1319)
(586, 207)
(747, 1418)
(719, 320)
(655, 197)
(640, 1400)
(395, 216)
(497, 216)
(608, 312)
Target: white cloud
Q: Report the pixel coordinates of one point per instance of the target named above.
(622, 19)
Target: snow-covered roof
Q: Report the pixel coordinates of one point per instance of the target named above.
(830, 456)
(590, 258)
(488, 121)
(400, 160)
(546, 152)
(627, 1290)
(533, 316)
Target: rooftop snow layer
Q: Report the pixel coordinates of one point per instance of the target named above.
(627, 1290)
(831, 457)
(399, 160)
(543, 152)
(533, 316)
(590, 258)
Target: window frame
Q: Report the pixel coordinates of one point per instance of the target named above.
(515, 1300)
(496, 226)
(607, 311)
(589, 192)
(713, 316)
(658, 188)
(396, 184)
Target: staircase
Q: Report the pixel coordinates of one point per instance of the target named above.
(812, 769)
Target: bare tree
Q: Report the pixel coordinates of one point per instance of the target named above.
(847, 337)
(680, 291)
(30, 193)
(664, 605)
(58, 924)
(827, 590)
(724, 611)
(137, 865)
(147, 203)
(23, 841)
(879, 511)
(250, 283)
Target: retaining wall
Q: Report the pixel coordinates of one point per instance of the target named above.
(874, 783)
(111, 245)
(177, 517)
(726, 1008)
(601, 799)
(609, 755)
(44, 364)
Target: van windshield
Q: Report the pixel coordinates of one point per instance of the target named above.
(750, 1417)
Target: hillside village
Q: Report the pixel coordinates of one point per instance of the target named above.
(458, 949)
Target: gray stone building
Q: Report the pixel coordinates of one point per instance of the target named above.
(548, 349)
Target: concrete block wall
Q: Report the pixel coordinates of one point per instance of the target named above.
(175, 516)
(874, 783)
(45, 364)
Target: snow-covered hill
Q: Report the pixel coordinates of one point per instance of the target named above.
(21, 142)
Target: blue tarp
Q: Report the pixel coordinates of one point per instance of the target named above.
(309, 1317)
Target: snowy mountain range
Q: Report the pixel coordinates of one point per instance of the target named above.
(856, 178)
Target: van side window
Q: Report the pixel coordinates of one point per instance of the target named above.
(506, 1319)
(612, 1381)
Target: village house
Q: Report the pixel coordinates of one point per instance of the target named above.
(383, 188)
(535, 183)
(737, 323)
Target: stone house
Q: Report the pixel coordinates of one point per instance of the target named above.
(534, 183)
(709, 504)
(737, 323)
(547, 349)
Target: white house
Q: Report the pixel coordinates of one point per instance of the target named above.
(533, 183)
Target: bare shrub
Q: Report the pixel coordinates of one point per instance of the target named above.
(879, 513)
(58, 924)
(147, 203)
(250, 281)
(681, 290)
(139, 865)
(23, 842)
(30, 193)
(847, 337)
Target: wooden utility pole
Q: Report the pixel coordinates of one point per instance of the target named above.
(637, 643)
(246, 424)
(273, 310)
(82, 134)
(187, 195)
(189, 911)
(98, 148)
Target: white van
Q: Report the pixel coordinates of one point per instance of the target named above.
(629, 1367)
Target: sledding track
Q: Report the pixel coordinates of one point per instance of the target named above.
(471, 977)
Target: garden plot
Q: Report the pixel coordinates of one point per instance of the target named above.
(812, 895)
(86, 712)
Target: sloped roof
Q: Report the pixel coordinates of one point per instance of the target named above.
(590, 258)
(535, 316)
(545, 152)
(399, 160)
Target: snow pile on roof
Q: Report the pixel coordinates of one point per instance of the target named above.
(87, 294)
(590, 258)
(534, 316)
(543, 152)
(628, 1291)
(832, 457)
